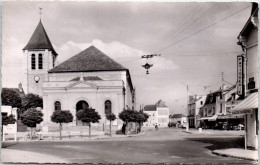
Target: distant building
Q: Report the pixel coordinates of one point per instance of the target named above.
(10, 130)
(194, 105)
(158, 113)
(178, 118)
(247, 77)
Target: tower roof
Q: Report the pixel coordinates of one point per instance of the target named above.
(39, 40)
(89, 60)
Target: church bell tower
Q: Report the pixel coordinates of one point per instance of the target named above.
(39, 57)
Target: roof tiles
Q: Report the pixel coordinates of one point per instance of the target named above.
(39, 40)
(90, 59)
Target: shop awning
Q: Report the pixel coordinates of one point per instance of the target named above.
(247, 105)
(212, 118)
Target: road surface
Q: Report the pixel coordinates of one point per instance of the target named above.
(167, 145)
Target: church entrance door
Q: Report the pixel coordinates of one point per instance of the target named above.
(79, 106)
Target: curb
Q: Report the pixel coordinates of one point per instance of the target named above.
(86, 139)
(228, 155)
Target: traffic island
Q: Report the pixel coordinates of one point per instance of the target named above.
(238, 153)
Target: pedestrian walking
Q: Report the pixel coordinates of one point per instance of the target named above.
(123, 128)
(156, 127)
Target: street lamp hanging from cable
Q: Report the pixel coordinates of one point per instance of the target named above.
(147, 66)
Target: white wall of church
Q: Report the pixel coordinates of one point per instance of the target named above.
(107, 76)
(94, 97)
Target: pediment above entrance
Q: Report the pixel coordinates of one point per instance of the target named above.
(80, 85)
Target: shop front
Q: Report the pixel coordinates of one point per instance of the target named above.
(249, 108)
(230, 122)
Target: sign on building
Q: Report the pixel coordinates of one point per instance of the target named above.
(240, 75)
(251, 84)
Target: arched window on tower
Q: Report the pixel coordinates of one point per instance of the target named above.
(57, 106)
(40, 61)
(108, 107)
(33, 61)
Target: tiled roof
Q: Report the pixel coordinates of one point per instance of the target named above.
(87, 78)
(91, 59)
(177, 116)
(211, 98)
(160, 103)
(39, 40)
(150, 108)
(195, 100)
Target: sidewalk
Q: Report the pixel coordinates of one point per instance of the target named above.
(238, 153)
(17, 156)
(215, 132)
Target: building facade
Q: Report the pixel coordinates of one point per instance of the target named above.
(10, 130)
(179, 119)
(88, 79)
(194, 105)
(158, 114)
(248, 80)
(216, 112)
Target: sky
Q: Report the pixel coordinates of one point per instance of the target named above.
(196, 41)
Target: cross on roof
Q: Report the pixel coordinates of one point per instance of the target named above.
(40, 12)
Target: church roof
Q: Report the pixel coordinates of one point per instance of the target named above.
(39, 40)
(89, 60)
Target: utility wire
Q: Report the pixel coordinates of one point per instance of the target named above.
(203, 29)
(192, 13)
(190, 25)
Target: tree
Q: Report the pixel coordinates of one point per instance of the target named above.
(110, 117)
(127, 115)
(11, 97)
(61, 117)
(88, 115)
(31, 118)
(7, 120)
(30, 101)
(140, 118)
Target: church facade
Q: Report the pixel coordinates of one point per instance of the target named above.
(88, 79)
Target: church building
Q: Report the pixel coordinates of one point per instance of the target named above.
(88, 79)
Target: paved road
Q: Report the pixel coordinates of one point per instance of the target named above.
(164, 146)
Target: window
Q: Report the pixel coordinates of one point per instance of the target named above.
(40, 61)
(57, 106)
(201, 102)
(33, 61)
(108, 106)
(213, 110)
(53, 61)
(221, 108)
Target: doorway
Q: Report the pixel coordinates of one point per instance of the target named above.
(79, 106)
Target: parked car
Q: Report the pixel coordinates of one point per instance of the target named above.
(171, 124)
